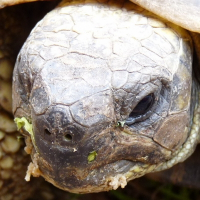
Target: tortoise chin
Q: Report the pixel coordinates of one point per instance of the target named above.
(104, 178)
(106, 106)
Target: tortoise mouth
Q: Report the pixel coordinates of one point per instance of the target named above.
(104, 178)
(118, 160)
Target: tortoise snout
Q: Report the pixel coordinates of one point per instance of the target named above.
(65, 143)
(69, 128)
(67, 136)
(56, 127)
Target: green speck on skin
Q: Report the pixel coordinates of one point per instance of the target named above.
(92, 155)
(23, 122)
(120, 123)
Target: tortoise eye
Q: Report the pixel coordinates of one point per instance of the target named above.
(143, 106)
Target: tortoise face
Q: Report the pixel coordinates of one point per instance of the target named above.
(108, 92)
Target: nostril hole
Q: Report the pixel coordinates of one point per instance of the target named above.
(68, 137)
(47, 132)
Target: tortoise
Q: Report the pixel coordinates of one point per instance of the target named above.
(103, 92)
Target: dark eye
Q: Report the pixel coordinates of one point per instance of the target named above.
(143, 106)
(142, 110)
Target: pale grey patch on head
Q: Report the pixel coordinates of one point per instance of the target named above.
(119, 78)
(94, 110)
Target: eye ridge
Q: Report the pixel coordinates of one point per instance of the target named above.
(143, 106)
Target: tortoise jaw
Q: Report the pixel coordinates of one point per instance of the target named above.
(105, 178)
(126, 156)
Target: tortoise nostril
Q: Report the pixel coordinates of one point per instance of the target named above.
(47, 132)
(68, 137)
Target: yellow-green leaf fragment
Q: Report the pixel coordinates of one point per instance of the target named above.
(92, 155)
(20, 123)
(120, 124)
(23, 122)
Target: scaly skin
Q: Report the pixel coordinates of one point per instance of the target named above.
(82, 71)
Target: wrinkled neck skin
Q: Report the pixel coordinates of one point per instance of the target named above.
(108, 90)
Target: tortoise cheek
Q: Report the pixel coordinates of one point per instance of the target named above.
(173, 131)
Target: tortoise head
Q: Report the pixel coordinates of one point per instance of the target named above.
(107, 91)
